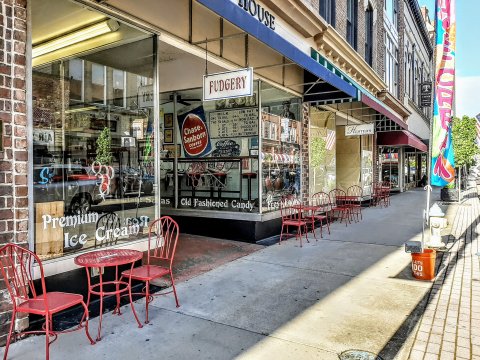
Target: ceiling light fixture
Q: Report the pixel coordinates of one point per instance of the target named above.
(75, 37)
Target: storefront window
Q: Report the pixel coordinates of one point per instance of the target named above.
(389, 163)
(322, 176)
(93, 176)
(281, 139)
(212, 147)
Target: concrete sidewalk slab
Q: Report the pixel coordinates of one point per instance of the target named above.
(350, 290)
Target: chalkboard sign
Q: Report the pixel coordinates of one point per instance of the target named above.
(226, 148)
(234, 123)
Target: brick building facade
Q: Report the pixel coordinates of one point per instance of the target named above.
(14, 155)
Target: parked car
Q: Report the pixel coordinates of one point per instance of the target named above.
(66, 182)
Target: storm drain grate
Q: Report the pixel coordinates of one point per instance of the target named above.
(358, 355)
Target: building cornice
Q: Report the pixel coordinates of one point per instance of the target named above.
(332, 45)
(394, 104)
(298, 14)
(302, 16)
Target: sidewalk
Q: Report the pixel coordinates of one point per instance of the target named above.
(450, 325)
(352, 289)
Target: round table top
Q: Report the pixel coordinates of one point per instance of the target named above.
(109, 257)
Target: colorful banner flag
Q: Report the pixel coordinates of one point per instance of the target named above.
(443, 164)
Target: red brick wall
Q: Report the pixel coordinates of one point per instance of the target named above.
(14, 157)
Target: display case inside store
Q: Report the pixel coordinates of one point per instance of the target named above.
(281, 136)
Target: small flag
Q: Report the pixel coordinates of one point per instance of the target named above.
(478, 129)
(330, 140)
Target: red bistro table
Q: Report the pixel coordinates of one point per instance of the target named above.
(108, 258)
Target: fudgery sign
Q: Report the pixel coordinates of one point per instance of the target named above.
(228, 84)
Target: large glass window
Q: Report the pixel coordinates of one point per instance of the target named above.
(322, 140)
(93, 176)
(213, 149)
(391, 10)
(391, 66)
(352, 26)
(327, 11)
(369, 35)
(281, 139)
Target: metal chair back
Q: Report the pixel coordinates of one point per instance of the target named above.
(162, 239)
(108, 225)
(287, 210)
(16, 266)
(337, 196)
(356, 191)
(322, 200)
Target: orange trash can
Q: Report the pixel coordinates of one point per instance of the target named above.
(423, 264)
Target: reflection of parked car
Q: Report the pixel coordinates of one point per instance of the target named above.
(132, 182)
(69, 183)
(127, 182)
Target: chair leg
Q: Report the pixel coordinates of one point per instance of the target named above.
(281, 234)
(85, 315)
(9, 338)
(47, 336)
(174, 289)
(147, 299)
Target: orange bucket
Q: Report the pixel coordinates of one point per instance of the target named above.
(423, 264)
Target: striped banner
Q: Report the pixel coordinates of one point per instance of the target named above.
(443, 163)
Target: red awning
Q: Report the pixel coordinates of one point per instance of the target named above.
(382, 109)
(400, 138)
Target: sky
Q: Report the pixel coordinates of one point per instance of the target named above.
(468, 55)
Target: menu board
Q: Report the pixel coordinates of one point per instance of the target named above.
(234, 123)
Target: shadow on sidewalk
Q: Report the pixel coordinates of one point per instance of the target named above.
(445, 264)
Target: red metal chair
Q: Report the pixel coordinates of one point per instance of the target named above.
(321, 204)
(291, 212)
(340, 204)
(16, 266)
(386, 187)
(162, 243)
(355, 194)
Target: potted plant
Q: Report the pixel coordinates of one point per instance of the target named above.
(104, 147)
(449, 192)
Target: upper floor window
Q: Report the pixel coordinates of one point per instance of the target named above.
(369, 35)
(391, 10)
(352, 6)
(327, 11)
(391, 66)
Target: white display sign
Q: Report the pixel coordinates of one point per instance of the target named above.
(234, 123)
(43, 137)
(230, 84)
(364, 129)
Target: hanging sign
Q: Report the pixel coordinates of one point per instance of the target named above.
(356, 130)
(194, 133)
(426, 94)
(230, 84)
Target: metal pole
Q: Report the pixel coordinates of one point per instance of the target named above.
(156, 127)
